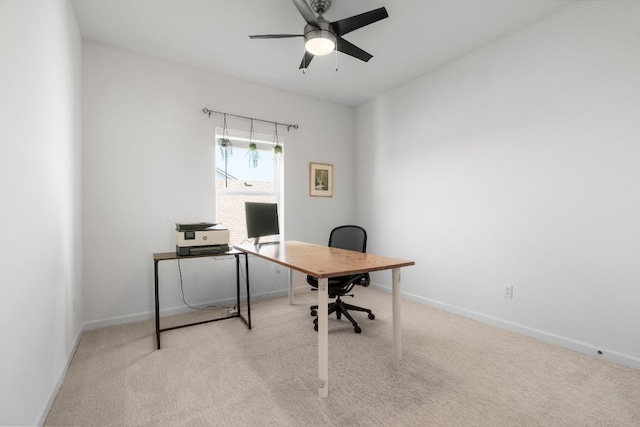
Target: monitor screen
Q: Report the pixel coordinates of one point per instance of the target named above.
(262, 219)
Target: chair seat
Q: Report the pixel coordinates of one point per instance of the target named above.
(334, 282)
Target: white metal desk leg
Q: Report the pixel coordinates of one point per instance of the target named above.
(290, 286)
(323, 338)
(397, 319)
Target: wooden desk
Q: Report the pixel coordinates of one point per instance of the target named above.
(324, 262)
(166, 256)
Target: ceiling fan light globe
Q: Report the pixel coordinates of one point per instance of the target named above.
(320, 46)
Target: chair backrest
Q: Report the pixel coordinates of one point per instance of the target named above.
(350, 237)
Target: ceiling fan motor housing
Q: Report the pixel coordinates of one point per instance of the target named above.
(325, 31)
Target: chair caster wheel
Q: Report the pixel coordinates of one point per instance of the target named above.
(372, 316)
(357, 329)
(314, 313)
(315, 328)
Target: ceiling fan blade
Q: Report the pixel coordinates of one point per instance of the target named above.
(306, 60)
(275, 36)
(350, 49)
(306, 12)
(347, 25)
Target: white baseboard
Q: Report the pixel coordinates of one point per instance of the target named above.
(568, 343)
(138, 317)
(571, 344)
(61, 375)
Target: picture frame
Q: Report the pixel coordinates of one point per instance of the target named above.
(320, 180)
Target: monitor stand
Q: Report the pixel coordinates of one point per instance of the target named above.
(257, 243)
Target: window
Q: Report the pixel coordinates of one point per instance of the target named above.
(238, 181)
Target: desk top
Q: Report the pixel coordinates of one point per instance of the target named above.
(322, 261)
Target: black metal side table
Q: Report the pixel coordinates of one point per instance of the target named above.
(166, 256)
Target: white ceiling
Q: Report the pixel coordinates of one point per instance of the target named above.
(418, 36)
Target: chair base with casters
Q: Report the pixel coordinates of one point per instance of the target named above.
(339, 306)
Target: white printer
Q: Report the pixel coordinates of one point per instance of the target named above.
(201, 238)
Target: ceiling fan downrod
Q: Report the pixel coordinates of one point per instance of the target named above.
(320, 6)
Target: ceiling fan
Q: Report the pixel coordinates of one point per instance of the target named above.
(323, 37)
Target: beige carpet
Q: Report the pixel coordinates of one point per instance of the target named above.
(457, 372)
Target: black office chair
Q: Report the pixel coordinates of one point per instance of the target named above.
(353, 238)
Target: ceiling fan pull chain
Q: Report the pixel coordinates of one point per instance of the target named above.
(336, 59)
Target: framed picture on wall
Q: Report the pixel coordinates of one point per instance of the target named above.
(320, 180)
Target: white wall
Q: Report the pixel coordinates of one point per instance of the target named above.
(148, 163)
(519, 165)
(40, 254)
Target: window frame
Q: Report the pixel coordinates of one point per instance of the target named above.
(265, 142)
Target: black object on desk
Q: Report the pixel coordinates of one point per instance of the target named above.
(165, 256)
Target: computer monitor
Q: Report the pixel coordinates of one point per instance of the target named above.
(262, 220)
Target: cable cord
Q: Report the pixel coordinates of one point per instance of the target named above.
(207, 308)
(261, 297)
(243, 277)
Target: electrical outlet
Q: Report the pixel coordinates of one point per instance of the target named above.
(508, 291)
(277, 268)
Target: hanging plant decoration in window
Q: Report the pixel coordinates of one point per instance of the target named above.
(253, 154)
(226, 149)
(277, 147)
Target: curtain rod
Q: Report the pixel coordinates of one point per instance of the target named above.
(209, 112)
